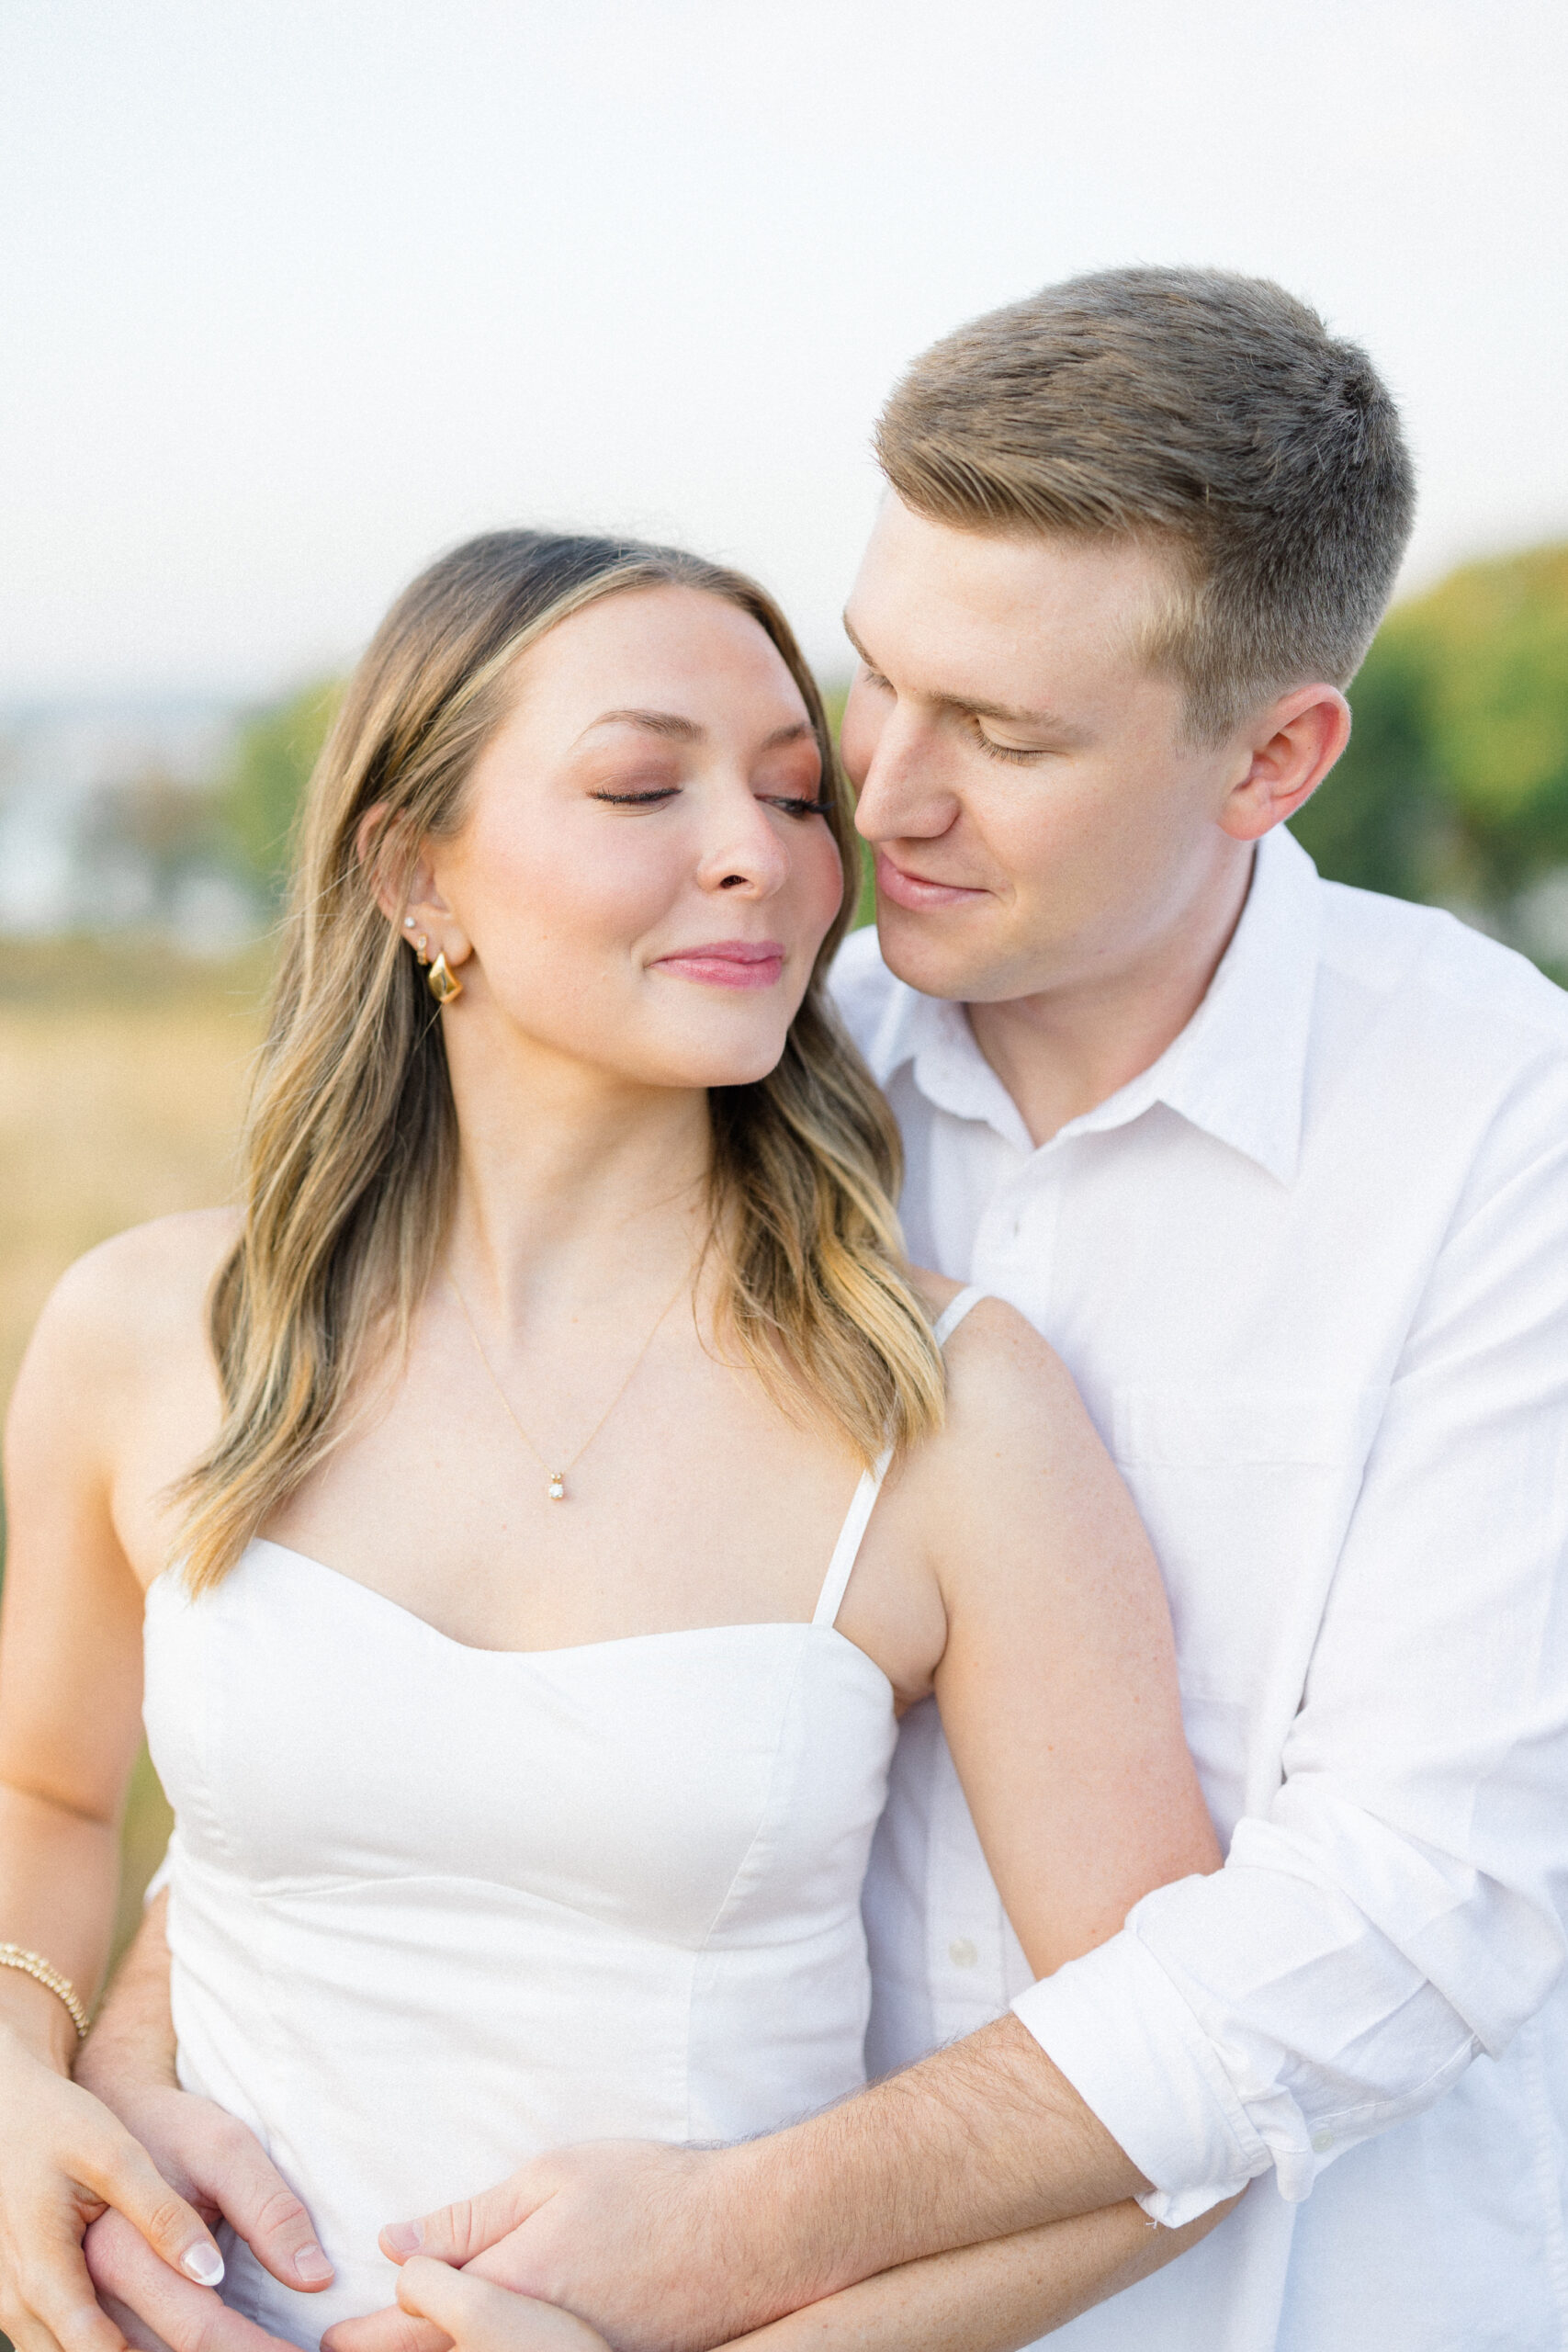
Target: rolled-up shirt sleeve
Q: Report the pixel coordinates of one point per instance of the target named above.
(1400, 1906)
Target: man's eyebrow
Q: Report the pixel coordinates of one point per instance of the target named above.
(975, 708)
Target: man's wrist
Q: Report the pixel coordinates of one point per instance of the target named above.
(119, 2068)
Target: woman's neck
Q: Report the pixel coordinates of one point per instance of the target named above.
(573, 1185)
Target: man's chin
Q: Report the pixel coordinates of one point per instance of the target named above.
(936, 958)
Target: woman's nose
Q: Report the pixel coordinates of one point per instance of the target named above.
(746, 854)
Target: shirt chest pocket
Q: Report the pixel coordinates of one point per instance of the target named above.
(1246, 1494)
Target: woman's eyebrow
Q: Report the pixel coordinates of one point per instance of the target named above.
(669, 724)
(652, 722)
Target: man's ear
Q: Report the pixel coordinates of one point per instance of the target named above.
(1294, 743)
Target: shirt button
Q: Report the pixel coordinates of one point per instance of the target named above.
(1321, 2142)
(962, 1953)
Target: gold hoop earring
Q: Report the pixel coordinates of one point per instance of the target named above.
(443, 982)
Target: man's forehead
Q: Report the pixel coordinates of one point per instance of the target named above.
(1005, 625)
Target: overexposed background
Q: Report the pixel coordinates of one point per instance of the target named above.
(296, 292)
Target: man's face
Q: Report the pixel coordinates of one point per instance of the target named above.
(1039, 820)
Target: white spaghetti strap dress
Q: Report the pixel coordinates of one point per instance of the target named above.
(435, 1909)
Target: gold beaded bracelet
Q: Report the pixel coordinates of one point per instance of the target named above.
(33, 1964)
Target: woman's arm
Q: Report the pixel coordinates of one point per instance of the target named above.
(1058, 1692)
(1057, 1685)
(991, 2297)
(70, 1709)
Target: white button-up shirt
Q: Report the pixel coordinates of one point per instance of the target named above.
(1311, 1273)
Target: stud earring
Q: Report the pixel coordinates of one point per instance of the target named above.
(443, 983)
(422, 947)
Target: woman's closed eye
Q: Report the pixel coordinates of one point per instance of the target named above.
(796, 804)
(655, 795)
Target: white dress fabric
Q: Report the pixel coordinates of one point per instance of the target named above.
(435, 1909)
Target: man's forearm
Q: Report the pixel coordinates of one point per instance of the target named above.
(981, 2141)
(131, 2045)
(987, 2297)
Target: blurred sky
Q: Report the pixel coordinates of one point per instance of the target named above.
(294, 292)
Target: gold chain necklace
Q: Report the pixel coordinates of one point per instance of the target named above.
(555, 1489)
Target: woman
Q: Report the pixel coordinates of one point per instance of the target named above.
(544, 1495)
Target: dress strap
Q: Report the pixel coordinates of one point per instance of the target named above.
(846, 1551)
(954, 1313)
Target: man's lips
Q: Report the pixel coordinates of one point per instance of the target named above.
(728, 963)
(918, 892)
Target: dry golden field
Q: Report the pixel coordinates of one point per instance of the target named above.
(122, 1079)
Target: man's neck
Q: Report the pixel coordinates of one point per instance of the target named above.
(1063, 1052)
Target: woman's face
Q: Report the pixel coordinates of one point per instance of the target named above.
(643, 877)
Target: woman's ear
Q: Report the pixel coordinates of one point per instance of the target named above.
(410, 898)
(371, 843)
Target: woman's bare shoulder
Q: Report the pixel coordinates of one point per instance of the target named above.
(1004, 1382)
(137, 1299)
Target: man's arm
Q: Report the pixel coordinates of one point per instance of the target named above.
(131, 2045)
(671, 2246)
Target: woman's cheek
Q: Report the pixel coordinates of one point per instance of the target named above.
(828, 881)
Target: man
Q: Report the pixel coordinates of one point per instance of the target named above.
(1280, 1169)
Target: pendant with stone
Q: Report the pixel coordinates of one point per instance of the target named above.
(557, 1488)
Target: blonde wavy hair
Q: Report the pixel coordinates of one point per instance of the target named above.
(350, 1150)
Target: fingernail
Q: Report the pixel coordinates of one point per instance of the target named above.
(311, 2263)
(401, 2237)
(204, 2264)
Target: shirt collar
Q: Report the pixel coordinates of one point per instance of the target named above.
(1237, 1071)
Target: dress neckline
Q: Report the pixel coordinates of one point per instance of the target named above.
(423, 1626)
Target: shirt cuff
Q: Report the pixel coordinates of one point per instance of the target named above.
(1116, 2027)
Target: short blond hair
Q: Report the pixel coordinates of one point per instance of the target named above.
(1209, 414)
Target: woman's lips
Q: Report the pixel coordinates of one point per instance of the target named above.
(914, 891)
(728, 963)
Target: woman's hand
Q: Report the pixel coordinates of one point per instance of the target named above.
(65, 2160)
(478, 2317)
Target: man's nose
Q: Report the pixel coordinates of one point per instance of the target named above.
(905, 795)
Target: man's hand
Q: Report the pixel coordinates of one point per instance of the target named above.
(206, 2156)
(620, 2232)
(155, 2309)
(676, 2249)
(220, 2168)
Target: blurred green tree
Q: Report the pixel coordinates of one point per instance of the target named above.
(259, 798)
(1455, 785)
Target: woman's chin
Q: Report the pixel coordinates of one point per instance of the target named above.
(707, 1063)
